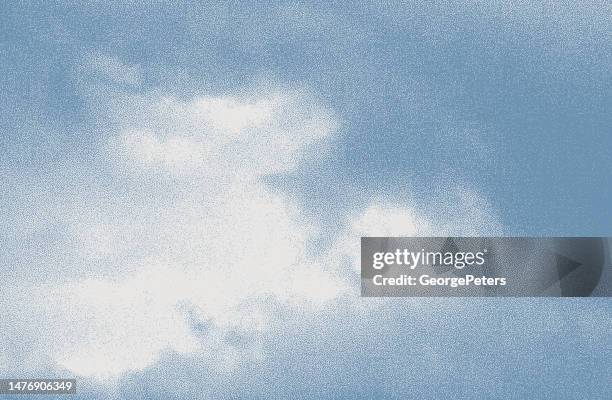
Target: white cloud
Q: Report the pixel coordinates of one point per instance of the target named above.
(211, 245)
(457, 211)
(221, 247)
(249, 134)
(111, 69)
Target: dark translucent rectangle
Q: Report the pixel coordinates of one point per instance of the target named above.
(485, 267)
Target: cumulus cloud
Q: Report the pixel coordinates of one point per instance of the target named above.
(111, 70)
(248, 135)
(458, 212)
(190, 250)
(223, 244)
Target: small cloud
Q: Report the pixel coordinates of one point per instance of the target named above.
(111, 70)
(250, 134)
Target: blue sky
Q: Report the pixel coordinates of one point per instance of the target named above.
(466, 118)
